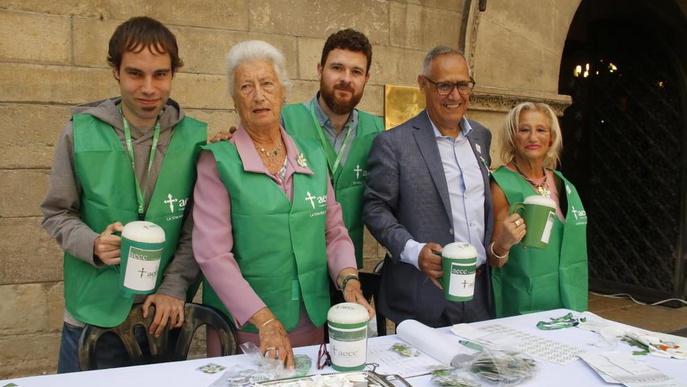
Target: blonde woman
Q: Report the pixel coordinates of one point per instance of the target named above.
(524, 279)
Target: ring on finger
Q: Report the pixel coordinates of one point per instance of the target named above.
(517, 222)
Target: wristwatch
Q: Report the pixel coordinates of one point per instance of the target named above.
(347, 278)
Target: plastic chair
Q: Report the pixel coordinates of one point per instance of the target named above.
(164, 348)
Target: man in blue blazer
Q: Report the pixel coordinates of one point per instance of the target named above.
(427, 186)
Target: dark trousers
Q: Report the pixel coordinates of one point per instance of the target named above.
(474, 310)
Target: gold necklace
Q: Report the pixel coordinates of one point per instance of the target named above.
(269, 153)
(540, 188)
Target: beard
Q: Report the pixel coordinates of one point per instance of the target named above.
(337, 105)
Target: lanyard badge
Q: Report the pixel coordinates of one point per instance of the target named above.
(140, 196)
(329, 149)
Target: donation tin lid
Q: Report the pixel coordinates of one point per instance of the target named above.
(540, 200)
(458, 250)
(348, 313)
(144, 231)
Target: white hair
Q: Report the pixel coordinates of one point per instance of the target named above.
(439, 51)
(255, 50)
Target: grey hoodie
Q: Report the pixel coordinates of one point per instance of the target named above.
(61, 206)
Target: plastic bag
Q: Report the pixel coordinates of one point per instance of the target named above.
(261, 369)
(453, 378)
(503, 367)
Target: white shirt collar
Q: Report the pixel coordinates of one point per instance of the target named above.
(465, 125)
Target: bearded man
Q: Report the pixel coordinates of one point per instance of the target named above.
(344, 132)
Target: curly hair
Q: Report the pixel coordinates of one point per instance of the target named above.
(348, 39)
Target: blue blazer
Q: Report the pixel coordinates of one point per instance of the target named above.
(406, 197)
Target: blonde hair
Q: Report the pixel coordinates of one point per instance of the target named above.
(506, 139)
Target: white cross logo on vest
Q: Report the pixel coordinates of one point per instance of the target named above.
(357, 171)
(321, 200)
(311, 199)
(578, 213)
(171, 200)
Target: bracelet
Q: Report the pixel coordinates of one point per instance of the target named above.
(491, 249)
(266, 322)
(347, 278)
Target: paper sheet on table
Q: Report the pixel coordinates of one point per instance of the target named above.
(442, 346)
(467, 331)
(392, 363)
(618, 367)
(611, 331)
(541, 348)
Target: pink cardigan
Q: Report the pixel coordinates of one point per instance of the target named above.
(212, 231)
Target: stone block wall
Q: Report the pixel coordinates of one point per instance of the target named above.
(52, 56)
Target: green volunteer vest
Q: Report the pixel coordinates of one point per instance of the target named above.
(542, 279)
(103, 168)
(349, 180)
(279, 246)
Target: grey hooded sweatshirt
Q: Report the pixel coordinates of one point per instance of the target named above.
(61, 206)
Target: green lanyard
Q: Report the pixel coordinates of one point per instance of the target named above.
(327, 145)
(140, 198)
(566, 321)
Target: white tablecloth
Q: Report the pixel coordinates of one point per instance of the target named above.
(184, 374)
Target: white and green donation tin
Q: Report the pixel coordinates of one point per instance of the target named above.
(459, 262)
(539, 213)
(347, 324)
(141, 251)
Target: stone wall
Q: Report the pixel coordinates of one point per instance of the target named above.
(52, 56)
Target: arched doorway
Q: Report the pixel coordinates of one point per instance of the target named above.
(626, 142)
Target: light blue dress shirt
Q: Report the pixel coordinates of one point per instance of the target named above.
(466, 194)
(336, 139)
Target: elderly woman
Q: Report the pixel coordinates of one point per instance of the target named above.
(267, 227)
(529, 279)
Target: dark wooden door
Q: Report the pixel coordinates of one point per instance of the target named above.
(624, 144)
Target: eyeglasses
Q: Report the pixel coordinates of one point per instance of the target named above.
(445, 88)
(323, 358)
